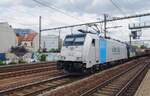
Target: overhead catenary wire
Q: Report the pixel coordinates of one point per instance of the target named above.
(56, 9)
(27, 13)
(108, 20)
(120, 10)
(53, 7)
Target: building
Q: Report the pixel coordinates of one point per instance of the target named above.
(29, 41)
(7, 37)
(50, 42)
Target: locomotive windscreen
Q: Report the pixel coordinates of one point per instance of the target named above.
(74, 40)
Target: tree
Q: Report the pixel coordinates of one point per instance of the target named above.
(42, 57)
(143, 47)
(19, 51)
(1, 62)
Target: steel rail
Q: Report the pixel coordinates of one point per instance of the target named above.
(91, 91)
(16, 65)
(31, 84)
(26, 72)
(11, 68)
(125, 88)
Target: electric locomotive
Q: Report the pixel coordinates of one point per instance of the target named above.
(90, 52)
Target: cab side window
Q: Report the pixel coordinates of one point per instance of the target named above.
(93, 42)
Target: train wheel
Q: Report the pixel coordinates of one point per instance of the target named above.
(92, 70)
(84, 70)
(97, 68)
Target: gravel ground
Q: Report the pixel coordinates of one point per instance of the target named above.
(77, 88)
(144, 88)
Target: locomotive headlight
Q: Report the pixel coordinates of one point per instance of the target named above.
(79, 58)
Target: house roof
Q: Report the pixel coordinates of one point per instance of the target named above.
(19, 38)
(28, 37)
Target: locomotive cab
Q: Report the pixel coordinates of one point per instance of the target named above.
(79, 52)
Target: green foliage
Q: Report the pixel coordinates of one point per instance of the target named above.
(135, 46)
(21, 62)
(13, 62)
(54, 50)
(42, 57)
(1, 62)
(143, 47)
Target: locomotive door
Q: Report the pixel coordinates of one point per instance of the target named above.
(93, 54)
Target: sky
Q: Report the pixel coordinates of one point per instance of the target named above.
(55, 13)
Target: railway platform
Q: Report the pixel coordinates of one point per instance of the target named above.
(144, 88)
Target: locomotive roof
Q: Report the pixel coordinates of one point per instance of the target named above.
(83, 34)
(113, 39)
(75, 35)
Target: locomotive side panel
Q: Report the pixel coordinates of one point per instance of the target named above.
(103, 50)
(115, 50)
(91, 50)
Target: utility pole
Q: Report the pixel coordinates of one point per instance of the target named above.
(59, 41)
(105, 24)
(40, 32)
(130, 36)
(59, 34)
(71, 30)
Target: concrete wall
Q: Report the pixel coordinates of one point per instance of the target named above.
(7, 37)
(51, 42)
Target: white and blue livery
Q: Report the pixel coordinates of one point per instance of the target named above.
(89, 52)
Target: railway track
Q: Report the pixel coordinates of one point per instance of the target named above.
(23, 80)
(11, 68)
(27, 71)
(20, 75)
(123, 84)
(81, 87)
(20, 70)
(35, 88)
(119, 79)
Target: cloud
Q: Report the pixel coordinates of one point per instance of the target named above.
(85, 6)
(25, 13)
(9, 3)
(100, 6)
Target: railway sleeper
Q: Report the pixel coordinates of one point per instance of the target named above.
(107, 93)
(110, 89)
(16, 94)
(38, 89)
(113, 85)
(95, 94)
